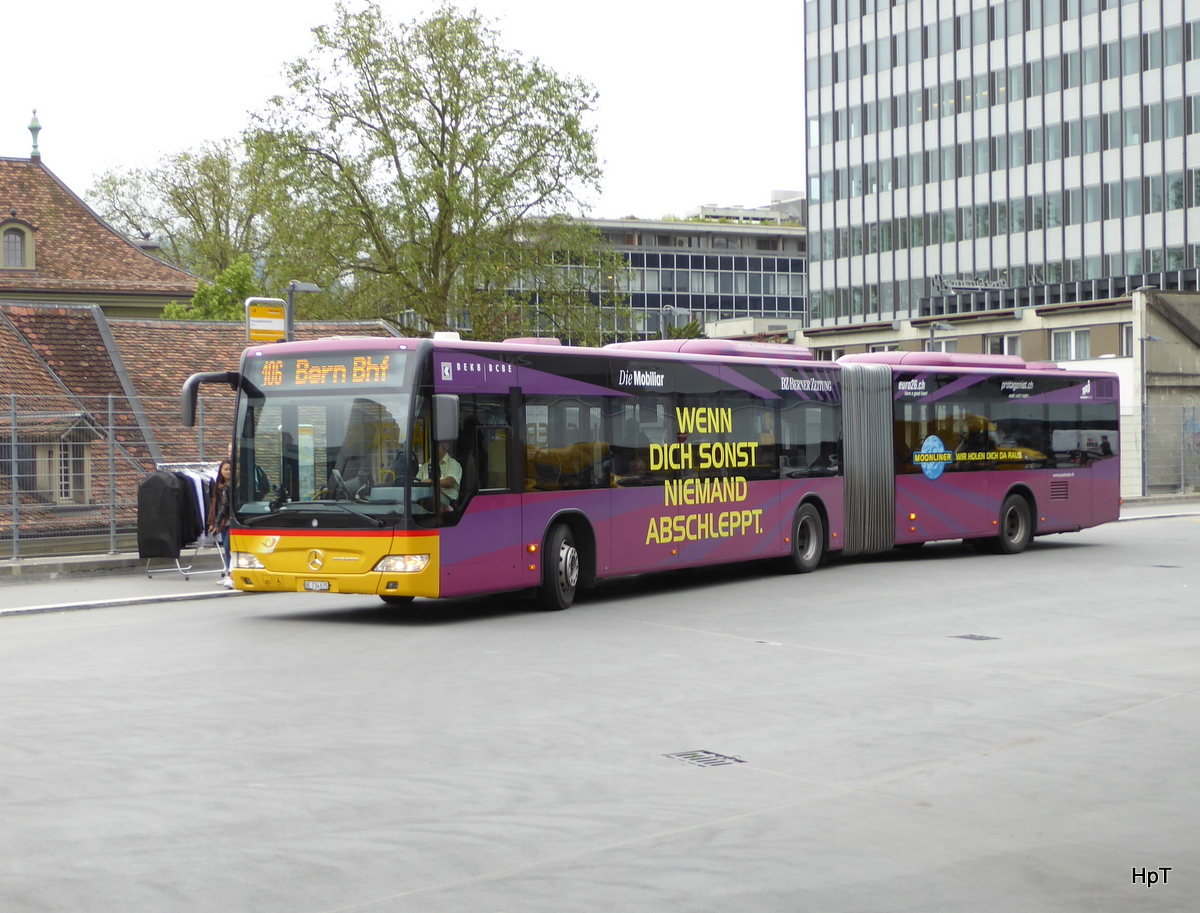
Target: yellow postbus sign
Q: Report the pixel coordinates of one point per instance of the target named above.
(266, 320)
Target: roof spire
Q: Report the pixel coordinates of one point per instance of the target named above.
(34, 128)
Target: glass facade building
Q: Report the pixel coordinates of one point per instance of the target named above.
(965, 156)
(708, 271)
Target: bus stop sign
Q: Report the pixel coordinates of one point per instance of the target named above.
(266, 320)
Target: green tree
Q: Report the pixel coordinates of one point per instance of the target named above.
(437, 167)
(207, 208)
(690, 330)
(222, 300)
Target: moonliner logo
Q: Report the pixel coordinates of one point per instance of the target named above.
(806, 384)
(641, 378)
(911, 386)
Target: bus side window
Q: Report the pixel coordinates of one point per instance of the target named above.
(483, 444)
(753, 423)
(574, 452)
(481, 448)
(812, 440)
(656, 422)
(630, 446)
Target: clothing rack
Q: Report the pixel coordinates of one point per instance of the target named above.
(167, 507)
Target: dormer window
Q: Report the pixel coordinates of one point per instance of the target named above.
(17, 247)
(14, 248)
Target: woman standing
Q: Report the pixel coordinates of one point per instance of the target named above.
(220, 511)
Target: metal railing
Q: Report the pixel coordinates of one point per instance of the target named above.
(70, 466)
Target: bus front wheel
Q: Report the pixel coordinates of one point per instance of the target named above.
(560, 570)
(808, 540)
(396, 601)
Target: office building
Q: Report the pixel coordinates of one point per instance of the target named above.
(972, 156)
(717, 264)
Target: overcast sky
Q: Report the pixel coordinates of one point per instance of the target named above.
(699, 102)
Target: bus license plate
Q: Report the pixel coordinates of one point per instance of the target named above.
(318, 585)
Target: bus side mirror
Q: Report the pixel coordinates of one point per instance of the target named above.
(445, 417)
(191, 391)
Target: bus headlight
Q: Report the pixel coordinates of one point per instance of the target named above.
(403, 564)
(246, 562)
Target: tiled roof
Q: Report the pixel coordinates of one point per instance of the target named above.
(41, 519)
(70, 341)
(74, 249)
(21, 371)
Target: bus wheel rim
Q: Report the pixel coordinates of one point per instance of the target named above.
(1013, 525)
(568, 567)
(806, 541)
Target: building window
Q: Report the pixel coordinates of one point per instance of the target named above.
(941, 345)
(886, 347)
(1127, 340)
(14, 248)
(64, 472)
(830, 354)
(1071, 345)
(1003, 345)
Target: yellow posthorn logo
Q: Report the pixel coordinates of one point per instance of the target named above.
(316, 559)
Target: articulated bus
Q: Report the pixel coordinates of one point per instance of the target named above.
(440, 467)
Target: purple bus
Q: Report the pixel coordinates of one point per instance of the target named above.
(439, 468)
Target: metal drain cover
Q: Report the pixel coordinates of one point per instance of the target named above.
(705, 758)
(973, 636)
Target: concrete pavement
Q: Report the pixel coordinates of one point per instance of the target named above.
(100, 581)
(929, 732)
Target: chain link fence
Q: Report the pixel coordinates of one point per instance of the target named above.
(1172, 449)
(70, 466)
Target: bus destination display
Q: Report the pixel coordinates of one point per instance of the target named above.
(324, 371)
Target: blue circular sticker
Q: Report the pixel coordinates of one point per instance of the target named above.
(933, 457)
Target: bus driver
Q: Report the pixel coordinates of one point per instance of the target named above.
(449, 471)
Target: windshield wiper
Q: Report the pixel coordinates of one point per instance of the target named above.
(374, 521)
(270, 515)
(349, 510)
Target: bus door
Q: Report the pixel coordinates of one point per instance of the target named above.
(480, 521)
(568, 465)
(643, 428)
(744, 453)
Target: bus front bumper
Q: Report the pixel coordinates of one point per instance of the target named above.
(403, 565)
(374, 584)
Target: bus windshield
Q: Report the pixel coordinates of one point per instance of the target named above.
(343, 452)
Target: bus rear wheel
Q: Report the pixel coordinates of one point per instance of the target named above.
(1016, 526)
(808, 540)
(560, 570)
